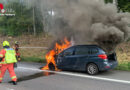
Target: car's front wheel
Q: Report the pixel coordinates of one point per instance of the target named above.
(92, 69)
(51, 67)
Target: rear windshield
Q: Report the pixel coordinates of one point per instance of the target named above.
(86, 50)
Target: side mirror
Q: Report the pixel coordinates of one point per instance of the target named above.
(67, 53)
(61, 55)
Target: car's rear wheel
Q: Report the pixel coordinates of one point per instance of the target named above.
(92, 69)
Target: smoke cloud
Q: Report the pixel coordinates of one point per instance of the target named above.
(87, 22)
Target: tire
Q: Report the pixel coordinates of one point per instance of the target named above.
(92, 69)
(51, 67)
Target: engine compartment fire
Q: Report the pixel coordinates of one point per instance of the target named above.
(50, 56)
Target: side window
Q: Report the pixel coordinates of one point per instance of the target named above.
(68, 52)
(86, 50)
(81, 51)
(92, 51)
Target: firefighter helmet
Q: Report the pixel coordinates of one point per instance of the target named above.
(16, 42)
(6, 43)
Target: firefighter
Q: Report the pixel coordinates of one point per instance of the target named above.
(16, 48)
(7, 60)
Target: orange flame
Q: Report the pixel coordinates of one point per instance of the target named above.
(50, 56)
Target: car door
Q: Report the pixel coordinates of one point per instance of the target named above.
(81, 57)
(65, 59)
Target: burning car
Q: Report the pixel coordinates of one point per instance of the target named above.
(89, 58)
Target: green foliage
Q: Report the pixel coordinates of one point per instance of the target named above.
(126, 8)
(124, 5)
(124, 66)
(33, 59)
(22, 22)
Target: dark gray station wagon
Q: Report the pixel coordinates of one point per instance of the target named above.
(89, 58)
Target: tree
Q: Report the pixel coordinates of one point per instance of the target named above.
(24, 21)
(124, 5)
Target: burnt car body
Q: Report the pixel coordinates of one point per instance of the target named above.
(90, 58)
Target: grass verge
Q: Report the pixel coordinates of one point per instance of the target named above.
(124, 66)
(33, 59)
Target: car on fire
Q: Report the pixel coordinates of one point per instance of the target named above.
(89, 58)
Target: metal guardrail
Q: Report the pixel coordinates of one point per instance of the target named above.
(34, 47)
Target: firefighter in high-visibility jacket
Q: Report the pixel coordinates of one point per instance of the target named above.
(7, 60)
(16, 48)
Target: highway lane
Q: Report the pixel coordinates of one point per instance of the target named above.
(31, 78)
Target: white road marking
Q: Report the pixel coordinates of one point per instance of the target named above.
(79, 75)
(33, 69)
(9, 89)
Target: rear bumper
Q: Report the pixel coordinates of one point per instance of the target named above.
(108, 65)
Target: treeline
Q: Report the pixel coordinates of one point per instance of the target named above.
(25, 21)
(29, 19)
(123, 5)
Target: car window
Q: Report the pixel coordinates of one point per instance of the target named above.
(85, 50)
(81, 51)
(92, 51)
(68, 52)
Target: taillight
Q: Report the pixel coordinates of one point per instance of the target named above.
(102, 56)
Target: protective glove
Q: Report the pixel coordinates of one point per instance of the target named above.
(15, 65)
(0, 59)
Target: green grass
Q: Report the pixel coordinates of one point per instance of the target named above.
(33, 59)
(124, 66)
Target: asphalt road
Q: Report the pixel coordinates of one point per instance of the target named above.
(31, 78)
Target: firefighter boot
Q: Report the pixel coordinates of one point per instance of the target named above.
(14, 82)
